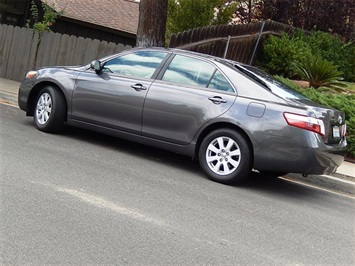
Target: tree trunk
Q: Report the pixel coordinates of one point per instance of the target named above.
(152, 23)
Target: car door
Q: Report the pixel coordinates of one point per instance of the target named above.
(114, 98)
(191, 92)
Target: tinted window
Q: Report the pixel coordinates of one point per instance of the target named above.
(141, 63)
(219, 82)
(191, 71)
(272, 84)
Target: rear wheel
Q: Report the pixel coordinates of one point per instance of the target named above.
(225, 156)
(50, 110)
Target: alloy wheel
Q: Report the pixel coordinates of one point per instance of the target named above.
(223, 155)
(44, 108)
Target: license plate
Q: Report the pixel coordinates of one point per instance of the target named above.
(336, 132)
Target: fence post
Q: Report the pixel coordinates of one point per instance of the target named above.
(257, 43)
(227, 46)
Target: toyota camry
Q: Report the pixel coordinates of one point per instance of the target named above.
(229, 116)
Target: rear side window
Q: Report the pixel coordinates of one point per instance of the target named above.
(139, 64)
(190, 71)
(219, 82)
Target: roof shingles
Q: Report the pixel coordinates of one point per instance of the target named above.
(120, 15)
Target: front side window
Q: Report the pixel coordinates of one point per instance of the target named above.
(139, 64)
(189, 71)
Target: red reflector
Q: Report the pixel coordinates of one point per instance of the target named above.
(343, 131)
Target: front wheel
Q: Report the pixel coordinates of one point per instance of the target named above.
(225, 156)
(50, 110)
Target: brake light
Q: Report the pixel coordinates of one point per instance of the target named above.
(343, 131)
(305, 122)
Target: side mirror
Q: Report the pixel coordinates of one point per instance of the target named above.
(96, 65)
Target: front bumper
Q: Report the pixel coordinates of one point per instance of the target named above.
(24, 96)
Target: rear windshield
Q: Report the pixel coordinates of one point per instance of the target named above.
(266, 80)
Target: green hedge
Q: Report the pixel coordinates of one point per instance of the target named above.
(341, 101)
(281, 53)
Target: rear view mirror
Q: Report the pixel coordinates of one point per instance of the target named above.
(96, 65)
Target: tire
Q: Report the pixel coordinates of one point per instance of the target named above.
(50, 110)
(225, 156)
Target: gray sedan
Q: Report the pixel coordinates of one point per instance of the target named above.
(231, 117)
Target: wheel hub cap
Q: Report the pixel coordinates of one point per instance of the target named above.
(43, 108)
(223, 156)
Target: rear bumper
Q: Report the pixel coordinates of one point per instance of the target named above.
(308, 156)
(324, 161)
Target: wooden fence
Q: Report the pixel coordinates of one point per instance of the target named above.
(21, 50)
(242, 43)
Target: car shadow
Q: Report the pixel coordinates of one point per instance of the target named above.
(255, 183)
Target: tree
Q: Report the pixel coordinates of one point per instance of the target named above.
(42, 23)
(189, 14)
(152, 23)
(246, 11)
(334, 16)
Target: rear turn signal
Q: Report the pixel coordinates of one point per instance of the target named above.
(305, 122)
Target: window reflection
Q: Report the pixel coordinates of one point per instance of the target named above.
(141, 63)
(219, 82)
(190, 71)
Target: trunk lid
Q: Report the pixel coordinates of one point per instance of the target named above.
(334, 120)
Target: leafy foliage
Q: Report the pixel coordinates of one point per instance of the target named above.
(188, 14)
(48, 19)
(334, 16)
(341, 101)
(331, 48)
(320, 73)
(280, 54)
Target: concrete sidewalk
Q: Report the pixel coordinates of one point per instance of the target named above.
(343, 180)
(9, 91)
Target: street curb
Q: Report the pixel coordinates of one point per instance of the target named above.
(325, 181)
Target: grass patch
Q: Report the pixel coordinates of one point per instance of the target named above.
(351, 87)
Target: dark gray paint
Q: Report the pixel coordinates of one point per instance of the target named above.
(176, 118)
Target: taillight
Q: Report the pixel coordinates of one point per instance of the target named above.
(305, 122)
(343, 131)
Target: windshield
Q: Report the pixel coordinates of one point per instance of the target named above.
(269, 82)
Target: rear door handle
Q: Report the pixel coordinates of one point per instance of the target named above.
(217, 100)
(139, 87)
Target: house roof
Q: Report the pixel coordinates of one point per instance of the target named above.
(120, 15)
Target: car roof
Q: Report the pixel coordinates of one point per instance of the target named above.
(191, 53)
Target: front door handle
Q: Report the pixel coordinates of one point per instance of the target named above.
(139, 87)
(217, 100)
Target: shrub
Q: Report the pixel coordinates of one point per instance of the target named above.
(320, 73)
(331, 48)
(280, 53)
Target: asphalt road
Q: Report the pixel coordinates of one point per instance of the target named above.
(84, 198)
